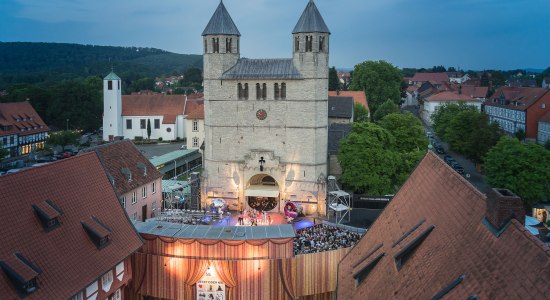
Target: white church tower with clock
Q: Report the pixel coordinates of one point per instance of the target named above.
(266, 119)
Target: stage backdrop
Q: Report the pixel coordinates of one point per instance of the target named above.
(170, 275)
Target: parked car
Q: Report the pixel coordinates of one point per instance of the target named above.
(448, 159)
(439, 149)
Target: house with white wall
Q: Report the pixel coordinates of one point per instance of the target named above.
(194, 121)
(434, 102)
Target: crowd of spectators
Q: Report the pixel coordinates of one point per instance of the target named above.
(323, 237)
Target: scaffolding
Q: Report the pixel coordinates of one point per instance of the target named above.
(338, 201)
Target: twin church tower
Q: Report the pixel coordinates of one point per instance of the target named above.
(266, 123)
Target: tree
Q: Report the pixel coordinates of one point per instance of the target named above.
(360, 113)
(442, 117)
(547, 145)
(408, 131)
(520, 134)
(521, 168)
(380, 81)
(148, 129)
(388, 107)
(63, 138)
(193, 75)
(3, 152)
(333, 81)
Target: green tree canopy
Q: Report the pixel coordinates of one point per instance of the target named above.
(3, 152)
(63, 138)
(360, 113)
(380, 80)
(193, 75)
(442, 117)
(388, 107)
(521, 168)
(408, 131)
(333, 81)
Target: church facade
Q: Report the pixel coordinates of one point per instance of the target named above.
(266, 120)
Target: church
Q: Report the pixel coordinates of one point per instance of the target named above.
(266, 123)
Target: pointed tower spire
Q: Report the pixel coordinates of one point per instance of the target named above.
(311, 21)
(221, 23)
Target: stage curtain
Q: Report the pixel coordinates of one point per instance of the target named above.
(195, 271)
(139, 268)
(227, 272)
(287, 273)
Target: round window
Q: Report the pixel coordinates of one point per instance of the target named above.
(168, 129)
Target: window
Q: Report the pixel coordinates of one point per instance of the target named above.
(205, 46)
(321, 43)
(134, 216)
(144, 192)
(296, 44)
(195, 142)
(245, 92)
(543, 105)
(240, 91)
(264, 91)
(123, 201)
(154, 188)
(258, 91)
(142, 124)
(283, 90)
(128, 124)
(168, 129)
(276, 91)
(79, 296)
(107, 280)
(309, 43)
(195, 125)
(215, 45)
(118, 84)
(228, 44)
(134, 198)
(157, 123)
(110, 85)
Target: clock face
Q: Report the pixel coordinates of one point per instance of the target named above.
(261, 114)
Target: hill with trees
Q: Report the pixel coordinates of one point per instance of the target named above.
(45, 63)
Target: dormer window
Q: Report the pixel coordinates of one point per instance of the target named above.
(402, 256)
(142, 167)
(48, 214)
(22, 273)
(98, 232)
(127, 173)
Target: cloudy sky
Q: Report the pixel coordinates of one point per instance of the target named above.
(470, 34)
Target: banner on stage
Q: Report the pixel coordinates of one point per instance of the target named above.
(210, 287)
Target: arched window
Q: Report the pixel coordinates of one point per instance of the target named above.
(264, 91)
(296, 44)
(321, 43)
(276, 91)
(258, 91)
(246, 91)
(205, 46)
(240, 91)
(283, 90)
(228, 45)
(309, 43)
(216, 45)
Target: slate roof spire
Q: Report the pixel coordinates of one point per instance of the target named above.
(311, 20)
(221, 23)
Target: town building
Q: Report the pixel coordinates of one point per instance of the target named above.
(266, 120)
(340, 110)
(130, 116)
(441, 238)
(22, 131)
(518, 108)
(137, 183)
(546, 83)
(359, 97)
(436, 79)
(194, 118)
(64, 233)
(435, 101)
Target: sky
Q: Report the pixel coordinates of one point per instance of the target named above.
(466, 34)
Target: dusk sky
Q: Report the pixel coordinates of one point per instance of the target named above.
(470, 34)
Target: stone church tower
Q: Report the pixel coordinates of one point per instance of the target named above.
(266, 119)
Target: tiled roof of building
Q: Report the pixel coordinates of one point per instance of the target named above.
(430, 77)
(75, 190)
(336, 132)
(431, 241)
(340, 107)
(125, 165)
(194, 109)
(221, 23)
(263, 69)
(358, 96)
(449, 96)
(168, 106)
(20, 118)
(516, 98)
(475, 91)
(311, 21)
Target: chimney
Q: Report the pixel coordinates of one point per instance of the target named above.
(502, 206)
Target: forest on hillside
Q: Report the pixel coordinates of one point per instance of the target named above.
(50, 63)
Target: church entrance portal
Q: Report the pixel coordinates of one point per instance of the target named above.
(263, 193)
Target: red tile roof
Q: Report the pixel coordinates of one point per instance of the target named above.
(358, 96)
(29, 120)
(475, 91)
(449, 96)
(523, 96)
(120, 155)
(430, 77)
(66, 256)
(168, 106)
(194, 109)
(515, 265)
